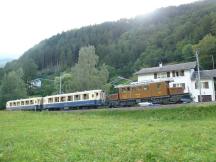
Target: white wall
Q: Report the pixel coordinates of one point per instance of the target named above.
(176, 80)
(210, 91)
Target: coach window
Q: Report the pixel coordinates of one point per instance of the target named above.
(22, 102)
(27, 102)
(31, 102)
(63, 99)
(14, 104)
(18, 103)
(56, 99)
(50, 100)
(70, 98)
(85, 96)
(77, 97)
(168, 74)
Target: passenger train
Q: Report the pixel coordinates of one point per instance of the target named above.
(128, 95)
(93, 98)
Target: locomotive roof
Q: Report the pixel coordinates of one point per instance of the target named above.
(166, 68)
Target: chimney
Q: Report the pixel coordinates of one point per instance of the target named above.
(160, 65)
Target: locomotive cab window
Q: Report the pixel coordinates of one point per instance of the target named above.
(145, 87)
(158, 86)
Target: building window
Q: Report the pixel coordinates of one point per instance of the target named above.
(173, 73)
(196, 85)
(155, 75)
(183, 85)
(182, 73)
(168, 74)
(205, 85)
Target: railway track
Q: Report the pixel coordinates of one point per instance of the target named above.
(170, 106)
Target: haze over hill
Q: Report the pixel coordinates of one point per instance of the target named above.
(167, 35)
(22, 25)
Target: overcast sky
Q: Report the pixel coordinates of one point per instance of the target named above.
(25, 23)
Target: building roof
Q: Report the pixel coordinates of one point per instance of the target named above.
(204, 74)
(166, 68)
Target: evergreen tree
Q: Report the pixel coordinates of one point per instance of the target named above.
(12, 87)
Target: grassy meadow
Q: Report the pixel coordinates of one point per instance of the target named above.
(181, 134)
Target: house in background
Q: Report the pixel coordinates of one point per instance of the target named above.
(182, 75)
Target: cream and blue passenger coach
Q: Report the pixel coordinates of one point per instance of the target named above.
(25, 104)
(93, 98)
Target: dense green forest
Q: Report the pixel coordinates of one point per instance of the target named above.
(167, 35)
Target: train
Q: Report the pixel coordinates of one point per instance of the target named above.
(84, 99)
(127, 95)
(153, 92)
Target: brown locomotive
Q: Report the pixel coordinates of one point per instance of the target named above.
(155, 92)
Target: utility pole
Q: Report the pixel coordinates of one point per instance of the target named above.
(60, 84)
(198, 71)
(213, 62)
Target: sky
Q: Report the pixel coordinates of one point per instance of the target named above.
(24, 23)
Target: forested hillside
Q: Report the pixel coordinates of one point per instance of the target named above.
(167, 35)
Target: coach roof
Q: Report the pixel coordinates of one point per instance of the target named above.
(166, 68)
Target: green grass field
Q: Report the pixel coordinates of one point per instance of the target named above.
(182, 134)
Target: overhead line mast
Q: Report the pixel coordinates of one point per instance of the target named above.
(198, 71)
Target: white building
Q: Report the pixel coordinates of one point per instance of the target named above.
(182, 75)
